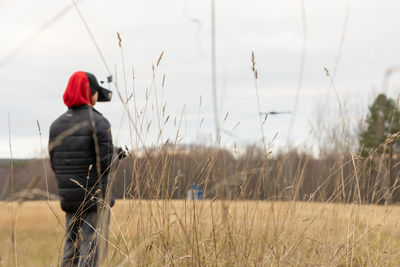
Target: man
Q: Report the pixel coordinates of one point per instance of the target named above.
(81, 154)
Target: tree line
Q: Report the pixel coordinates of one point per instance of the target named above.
(366, 174)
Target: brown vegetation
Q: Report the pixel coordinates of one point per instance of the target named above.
(171, 171)
(210, 233)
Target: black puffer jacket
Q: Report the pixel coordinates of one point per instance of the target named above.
(72, 151)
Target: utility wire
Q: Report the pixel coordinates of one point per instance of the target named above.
(7, 59)
(342, 39)
(301, 72)
(340, 50)
(199, 26)
(92, 37)
(214, 74)
(386, 78)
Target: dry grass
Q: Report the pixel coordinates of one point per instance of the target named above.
(242, 233)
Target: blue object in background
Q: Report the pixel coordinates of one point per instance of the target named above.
(199, 194)
(195, 193)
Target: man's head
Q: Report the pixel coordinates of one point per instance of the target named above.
(104, 95)
(83, 89)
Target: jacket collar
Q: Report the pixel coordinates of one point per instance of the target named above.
(84, 107)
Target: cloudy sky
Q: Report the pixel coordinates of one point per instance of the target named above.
(45, 41)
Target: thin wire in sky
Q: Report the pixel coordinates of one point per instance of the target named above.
(214, 74)
(340, 50)
(198, 24)
(302, 65)
(8, 58)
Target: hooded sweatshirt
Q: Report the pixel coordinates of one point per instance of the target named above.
(78, 91)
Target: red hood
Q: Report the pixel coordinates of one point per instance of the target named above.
(78, 90)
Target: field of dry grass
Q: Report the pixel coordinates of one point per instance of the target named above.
(216, 233)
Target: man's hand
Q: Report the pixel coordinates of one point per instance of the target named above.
(122, 153)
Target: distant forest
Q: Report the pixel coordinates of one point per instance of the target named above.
(168, 172)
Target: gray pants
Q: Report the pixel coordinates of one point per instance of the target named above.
(81, 243)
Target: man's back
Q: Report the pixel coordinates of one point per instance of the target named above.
(73, 156)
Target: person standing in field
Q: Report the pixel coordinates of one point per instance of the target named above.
(81, 154)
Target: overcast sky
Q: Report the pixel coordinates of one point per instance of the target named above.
(33, 81)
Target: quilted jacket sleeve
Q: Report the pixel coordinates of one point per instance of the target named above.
(106, 148)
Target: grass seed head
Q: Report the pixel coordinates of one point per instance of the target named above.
(253, 65)
(326, 71)
(159, 58)
(119, 39)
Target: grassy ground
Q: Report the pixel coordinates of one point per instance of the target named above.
(245, 233)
